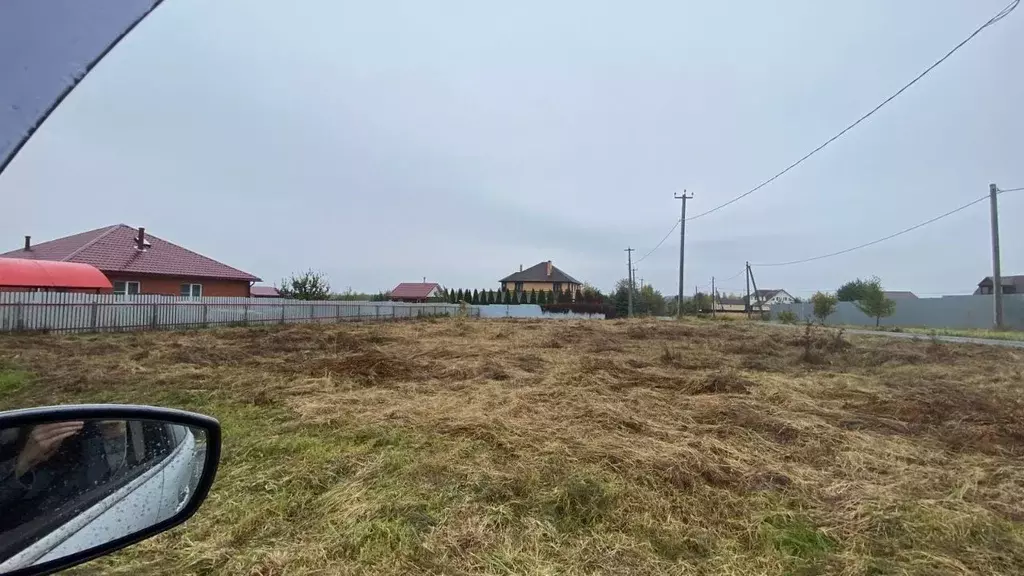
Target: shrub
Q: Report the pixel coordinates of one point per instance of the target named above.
(787, 317)
(824, 305)
(874, 303)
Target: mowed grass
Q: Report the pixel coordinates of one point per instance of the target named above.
(559, 447)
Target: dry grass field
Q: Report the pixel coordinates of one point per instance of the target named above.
(557, 447)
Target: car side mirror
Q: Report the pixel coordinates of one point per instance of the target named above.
(79, 482)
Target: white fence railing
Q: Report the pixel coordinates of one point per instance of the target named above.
(74, 312)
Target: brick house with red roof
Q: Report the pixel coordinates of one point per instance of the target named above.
(140, 263)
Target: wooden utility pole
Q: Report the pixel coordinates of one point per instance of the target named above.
(682, 245)
(997, 278)
(629, 263)
(713, 306)
(760, 306)
(748, 291)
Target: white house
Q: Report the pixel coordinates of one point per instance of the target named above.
(770, 297)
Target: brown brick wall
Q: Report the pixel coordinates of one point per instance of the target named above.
(171, 286)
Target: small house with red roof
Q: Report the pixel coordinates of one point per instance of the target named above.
(416, 292)
(139, 263)
(264, 292)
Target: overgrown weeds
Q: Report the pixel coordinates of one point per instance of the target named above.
(456, 446)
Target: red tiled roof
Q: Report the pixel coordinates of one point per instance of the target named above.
(113, 249)
(413, 289)
(266, 291)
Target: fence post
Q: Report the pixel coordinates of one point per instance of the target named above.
(206, 314)
(94, 312)
(376, 311)
(245, 314)
(312, 312)
(19, 320)
(283, 307)
(337, 313)
(152, 320)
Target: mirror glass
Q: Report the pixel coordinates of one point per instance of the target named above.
(74, 485)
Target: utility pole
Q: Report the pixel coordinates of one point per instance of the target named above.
(757, 294)
(748, 291)
(682, 245)
(636, 291)
(713, 297)
(997, 279)
(629, 262)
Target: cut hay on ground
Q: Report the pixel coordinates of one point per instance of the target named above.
(531, 447)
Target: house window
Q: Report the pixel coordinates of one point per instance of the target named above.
(556, 287)
(519, 286)
(127, 288)
(191, 290)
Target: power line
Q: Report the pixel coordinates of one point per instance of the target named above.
(1011, 190)
(1002, 14)
(734, 276)
(999, 16)
(883, 239)
(660, 243)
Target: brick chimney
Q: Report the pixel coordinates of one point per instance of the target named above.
(549, 267)
(140, 241)
(28, 243)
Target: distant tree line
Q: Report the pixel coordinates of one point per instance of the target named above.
(511, 297)
(587, 300)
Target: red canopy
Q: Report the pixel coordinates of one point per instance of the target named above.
(22, 273)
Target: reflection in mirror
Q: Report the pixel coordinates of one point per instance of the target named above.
(71, 486)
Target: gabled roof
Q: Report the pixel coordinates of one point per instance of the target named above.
(539, 273)
(264, 291)
(113, 249)
(768, 293)
(899, 295)
(1004, 280)
(414, 289)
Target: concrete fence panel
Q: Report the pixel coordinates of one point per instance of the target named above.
(945, 312)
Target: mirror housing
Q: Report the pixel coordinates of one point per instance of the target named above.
(126, 424)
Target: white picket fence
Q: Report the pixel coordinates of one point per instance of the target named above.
(74, 312)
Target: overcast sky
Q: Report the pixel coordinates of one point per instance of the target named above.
(383, 142)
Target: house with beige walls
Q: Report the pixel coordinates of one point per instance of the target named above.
(544, 276)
